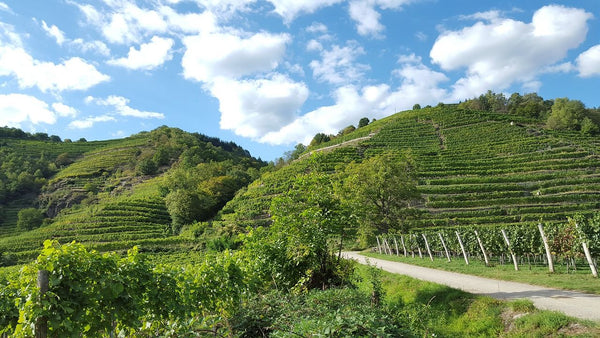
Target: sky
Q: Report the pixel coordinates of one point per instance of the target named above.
(268, 75)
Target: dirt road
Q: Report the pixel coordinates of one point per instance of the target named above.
(575, 304)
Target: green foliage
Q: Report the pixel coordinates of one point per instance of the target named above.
(589, 127)
(94, 294)
(416, 106)
(29, 218)
(566, 114)
(147, 166)
(382, 189)
(363, 122)
(320, 138)
(186, 207)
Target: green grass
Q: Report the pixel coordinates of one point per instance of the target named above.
(442, 311)
(579, 280)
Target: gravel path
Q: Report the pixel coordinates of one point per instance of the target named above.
(575, 304)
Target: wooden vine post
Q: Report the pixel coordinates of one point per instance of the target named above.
(485, 257)
(462, 247)
(588, 256)
(41, 323)
(445, 247)
(547, 247)
(512, 253)
(418, 247)
(396, 245)
(403, 245)
(427, 246)
(378, 244)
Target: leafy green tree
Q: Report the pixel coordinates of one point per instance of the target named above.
(147, 166)
(384, 191)
(566, 114)
(416, 106)
(29, 218)
(588, 127)
(320, 138)
(186, 207)
(363, 122)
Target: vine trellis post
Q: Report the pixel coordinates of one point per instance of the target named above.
(512, 253)
(462, 247)
(41, 324)
(547, 247)
(427, 246)
(445, 247)
(588, 256)
(485, 257)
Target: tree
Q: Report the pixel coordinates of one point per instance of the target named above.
(383, 190)
(363, 122)
(416, 106)
(320, 138)
(186, 207)
(347, 130)
(566, 114)
(29, 218)
(588, 127)
(308, 218)
(147, 166)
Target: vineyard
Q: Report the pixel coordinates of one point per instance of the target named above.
(474, 168)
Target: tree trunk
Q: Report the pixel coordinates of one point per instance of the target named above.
(547, 247)
(462, 247)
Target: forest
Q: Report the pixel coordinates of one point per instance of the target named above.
(170, 233)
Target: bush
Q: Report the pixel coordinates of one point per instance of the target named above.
(29, 218)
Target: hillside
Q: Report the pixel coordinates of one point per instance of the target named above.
(473, 168)
(111, 195)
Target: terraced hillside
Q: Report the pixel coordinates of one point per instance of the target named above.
(111, 195)
(473, 168)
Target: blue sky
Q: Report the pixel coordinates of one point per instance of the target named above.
(270, 74)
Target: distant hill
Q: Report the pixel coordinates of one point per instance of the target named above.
(110, 195)
(474, 167)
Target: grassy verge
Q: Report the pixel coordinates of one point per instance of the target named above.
(579, 280)
(439, 311)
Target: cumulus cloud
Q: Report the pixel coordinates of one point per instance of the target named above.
(54, 32)
(500, 52)
(419, 84)
(317, 27)
(121, 107)
(338, 65)
(18, 108)
(290, 9)
(149, 56)
(209, 56)
(63, 110)
(71, 74)
(4, 7)
(90, 121)
(252, 108)
(588, 62)
(93, 46)
(364, 13)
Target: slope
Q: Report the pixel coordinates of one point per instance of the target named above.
(473, 167)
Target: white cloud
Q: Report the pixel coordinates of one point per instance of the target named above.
(54, 32)
(364, 13)
(504, 51)
(90, 121)
(95, 46)
(72, 74)
(419, 85)
(314, 45)
(209, 56)
(252, 108)
(149, 56)
(317, 27)
(120, 104)
(4, 7)
(18, 108)
(588, 62)
(492, 15)
(338, 65)
(290, 9)
(64, 110)
(189, 23)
